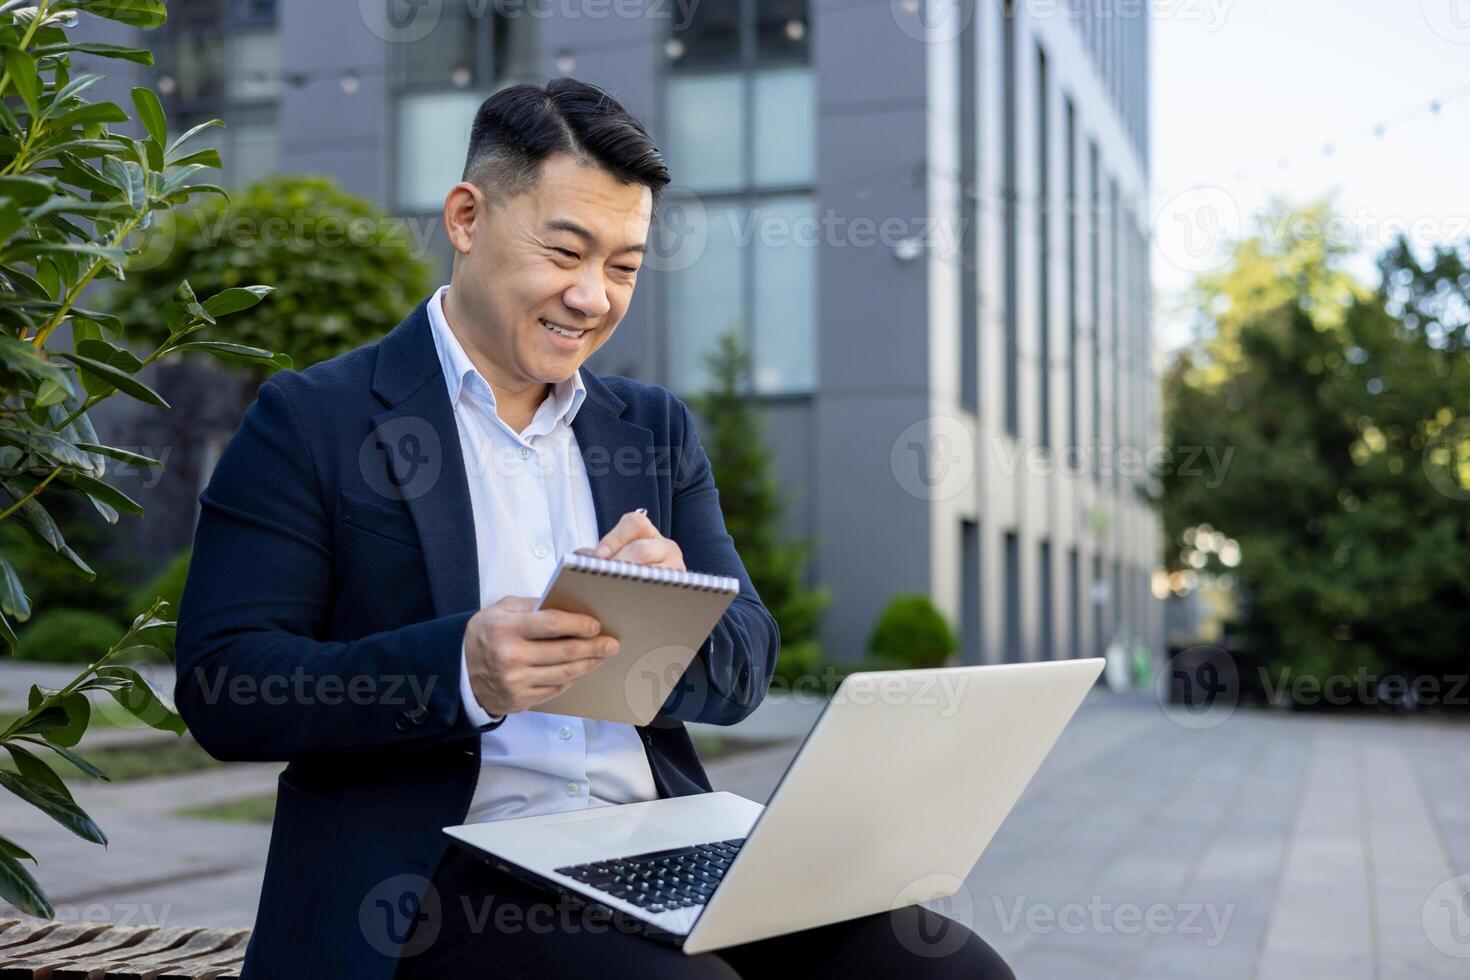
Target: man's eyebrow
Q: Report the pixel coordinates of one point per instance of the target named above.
(571, 227)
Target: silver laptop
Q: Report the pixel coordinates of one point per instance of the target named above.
(863, 821)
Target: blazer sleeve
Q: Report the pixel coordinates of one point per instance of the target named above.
(256, 679)
(729, 677)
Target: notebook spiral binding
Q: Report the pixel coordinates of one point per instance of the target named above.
(650, 573)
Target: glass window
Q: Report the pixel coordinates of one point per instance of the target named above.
(257, 151)
(517, 45)
(784, 252)
(784, 111)
(706, 131)
(433, 134)
(195, 61)
(255, 69)
(709, 32)
(705, 299)
(443, 57)
(781, 28)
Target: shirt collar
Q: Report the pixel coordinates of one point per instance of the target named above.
(458, 369)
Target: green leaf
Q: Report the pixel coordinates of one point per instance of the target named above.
(54, 805)
(146, 14)
(52, 446)
(119, 379)
(20, 889)
(26, 359)
(69, 91)
(104, 492)
(235, 353)
(27, 191)
(144, 701)
(150, 113)
(78, 715)
(70, 756)
(22, 68)
(127, 175)
(119, 454)
(118, 357)
(139, 56)
(7, 634)
(203, 158)
(10, 847)
(13, 599)
(35, 770)
(228, 301)
(190, 134)
(100, 112)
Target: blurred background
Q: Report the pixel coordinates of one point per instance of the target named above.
(1016, 331)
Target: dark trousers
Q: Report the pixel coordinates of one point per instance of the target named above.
(478, 922)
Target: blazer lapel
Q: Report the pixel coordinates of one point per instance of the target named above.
(420, 439)
(619, 458)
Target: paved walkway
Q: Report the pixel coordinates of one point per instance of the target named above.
(1271, 846)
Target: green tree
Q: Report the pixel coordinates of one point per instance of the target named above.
(1349, 456)
(751, 502)
(344, 271)
(74, 194)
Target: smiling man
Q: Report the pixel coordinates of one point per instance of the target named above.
(373, 540)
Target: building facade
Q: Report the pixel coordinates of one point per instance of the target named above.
(927, 219)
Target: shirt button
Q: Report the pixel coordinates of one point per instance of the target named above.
(539, 551)
(525, 453)
(564, 732)
(574, 789)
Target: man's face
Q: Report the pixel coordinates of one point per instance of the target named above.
(564, 253)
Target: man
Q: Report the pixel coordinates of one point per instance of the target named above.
(361, 602)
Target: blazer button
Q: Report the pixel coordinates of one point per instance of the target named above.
(401, 721)
(417, 715)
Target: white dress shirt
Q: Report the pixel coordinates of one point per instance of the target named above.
(532, 503)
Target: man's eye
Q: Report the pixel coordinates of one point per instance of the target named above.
(630, 270)
(568, 253)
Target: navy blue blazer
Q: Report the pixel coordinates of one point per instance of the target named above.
(334, 570)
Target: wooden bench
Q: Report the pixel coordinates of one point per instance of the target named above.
(98, 951)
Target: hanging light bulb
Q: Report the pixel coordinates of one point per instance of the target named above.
(565, 61)
(795, 29)
(461, 77)
(674, 49)
(349, 81)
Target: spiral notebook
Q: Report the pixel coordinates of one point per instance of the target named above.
(661, 618)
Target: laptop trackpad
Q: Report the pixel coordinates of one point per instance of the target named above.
(618, 834)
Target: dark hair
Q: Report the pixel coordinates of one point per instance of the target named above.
(520, 126)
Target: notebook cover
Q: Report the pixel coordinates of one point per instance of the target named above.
(660, 626)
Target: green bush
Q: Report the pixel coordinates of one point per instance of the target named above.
(168, 585)
(912, 633)
(68, 636)
(344, 270)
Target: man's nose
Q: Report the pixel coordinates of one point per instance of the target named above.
(588, 295)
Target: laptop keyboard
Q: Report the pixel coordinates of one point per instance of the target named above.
(661, 881)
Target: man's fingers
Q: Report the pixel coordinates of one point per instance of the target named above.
(632, 526)
(643, 551)
(547, 653)
(548, 623)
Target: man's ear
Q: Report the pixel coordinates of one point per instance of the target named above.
(464, 206)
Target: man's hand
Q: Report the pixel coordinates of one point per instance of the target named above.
(519, 656)
(635, 539)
